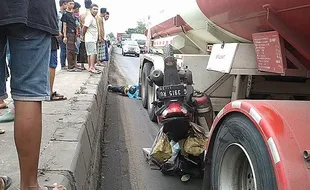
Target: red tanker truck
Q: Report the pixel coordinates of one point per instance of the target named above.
(252, 58)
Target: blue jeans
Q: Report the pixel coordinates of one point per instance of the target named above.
(63, 53)
(53, 60)
(30, 51)
(8, 55)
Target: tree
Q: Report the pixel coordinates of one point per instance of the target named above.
(139, 29)
(111, 36)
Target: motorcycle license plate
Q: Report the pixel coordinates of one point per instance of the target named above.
(173, 91)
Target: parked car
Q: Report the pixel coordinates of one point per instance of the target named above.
(130, 47)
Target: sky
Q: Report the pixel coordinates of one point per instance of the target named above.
(124, 14)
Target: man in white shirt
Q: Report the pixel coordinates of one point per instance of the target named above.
(90, 36)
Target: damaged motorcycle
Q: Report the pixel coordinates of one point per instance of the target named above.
(185, 117)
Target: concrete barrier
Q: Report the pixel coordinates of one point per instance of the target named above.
(72, 157)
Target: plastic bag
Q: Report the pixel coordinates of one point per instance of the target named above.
(161, 150)
(196, 141)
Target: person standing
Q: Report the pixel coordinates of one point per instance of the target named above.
(70, 31)
(82, 51)
(8, 116)
(90, 35)
(29, 32)
(101, 34)
(76, 12)
(106, 18)
(63, 47)
(52, 68)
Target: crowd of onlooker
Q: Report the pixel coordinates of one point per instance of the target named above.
(82, 37)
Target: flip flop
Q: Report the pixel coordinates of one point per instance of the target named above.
(57, 95)
(100, 64)
(3, 106)
(7, 182)
(95, 72)
(58, 187)
(2, 131)
(74, 70)
(58, 98)
(7, 117)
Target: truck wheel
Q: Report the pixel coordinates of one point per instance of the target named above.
(151, 99)
(144, 83)
(240, 158)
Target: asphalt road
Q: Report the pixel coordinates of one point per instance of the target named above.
(128, 130)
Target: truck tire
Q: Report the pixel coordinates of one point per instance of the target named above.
(240, 159)
(151, 98)
(144, 83)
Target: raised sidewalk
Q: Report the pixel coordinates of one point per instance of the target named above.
(72, 131)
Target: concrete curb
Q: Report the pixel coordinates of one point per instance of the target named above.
(73, 155)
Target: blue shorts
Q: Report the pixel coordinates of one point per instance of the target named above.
(30, 51)
(53, 59)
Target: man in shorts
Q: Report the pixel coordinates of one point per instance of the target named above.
(28, 27)
(53, 64)
(90, 36)
(82, 51)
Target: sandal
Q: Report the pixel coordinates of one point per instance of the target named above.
(3, 106)
(100, 64)
(95, 71)
(55, 187)
(6, 181)
(7, 117)
(57, 97)
(2, 131)
(74, 70)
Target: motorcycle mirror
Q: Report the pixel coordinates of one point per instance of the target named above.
(157, 77)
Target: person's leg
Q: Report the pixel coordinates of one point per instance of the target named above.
(88, 61)
(70, 59)
(52, 69)
(93, 55)
(92, 62)
(3, 94)
(116, 88)
(30, 86)
(8, 55)
(63, 53)
(83, 55)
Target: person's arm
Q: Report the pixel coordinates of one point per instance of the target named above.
(84, 30)
(85, 27)
(64, 19)
(59, 27)
(103, 32)
(65, 32)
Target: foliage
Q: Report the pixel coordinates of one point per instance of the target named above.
(139, 29)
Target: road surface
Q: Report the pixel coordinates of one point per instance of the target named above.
(128, 130)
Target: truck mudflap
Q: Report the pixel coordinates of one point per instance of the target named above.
(284, 127)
